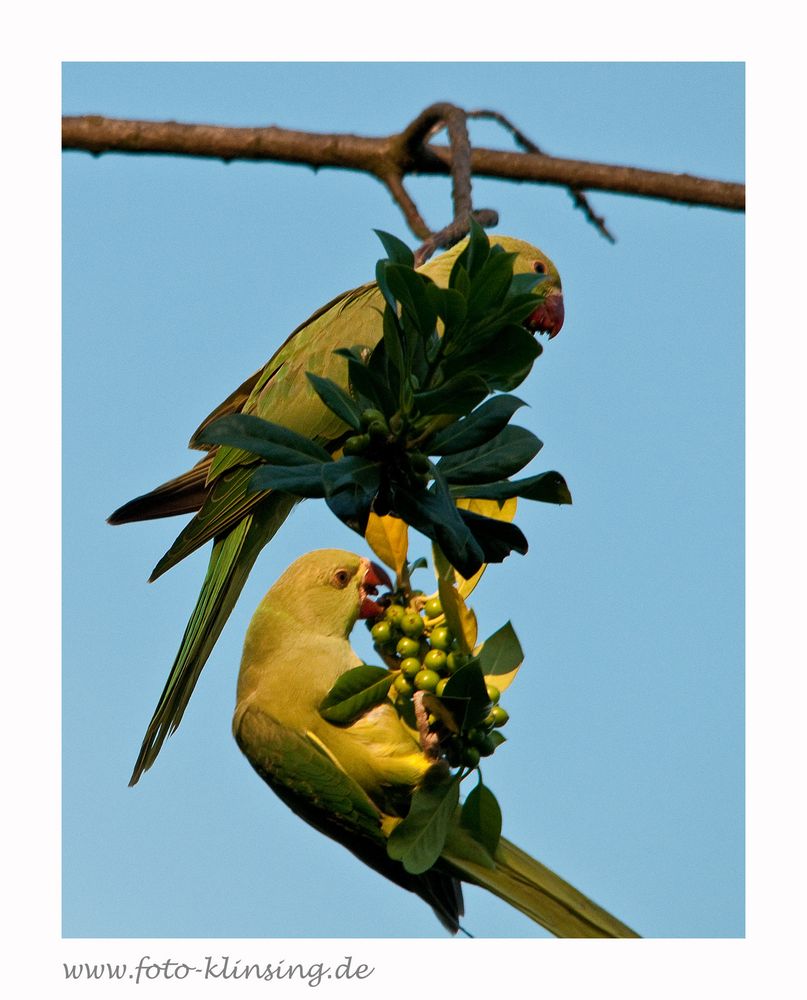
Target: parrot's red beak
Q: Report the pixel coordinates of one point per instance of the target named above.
(548, 317)
(374, 577)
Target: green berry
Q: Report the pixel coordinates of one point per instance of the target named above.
(402, 685)
(441, 638)
(487, 746)
(500, 716)
(394, 614)
(381, 632)
(441, 686)
(411, 666)
(372, 416)
(493, 693)
(476, 737)
(426, 680)
(433, 607)
(435, 659)
(412, 624)
(406, 647)
(357, 444)
(454, 661)
(470, 756)
(378, 429)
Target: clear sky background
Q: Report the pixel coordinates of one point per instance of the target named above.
(624, 765)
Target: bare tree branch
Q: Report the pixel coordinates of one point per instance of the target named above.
(391, 158)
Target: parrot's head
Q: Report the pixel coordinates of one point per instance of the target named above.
(548, 315)
(337, 587)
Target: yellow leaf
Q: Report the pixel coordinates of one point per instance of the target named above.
(502, 658)
(388, 537)
(459, 618)
(504, 510)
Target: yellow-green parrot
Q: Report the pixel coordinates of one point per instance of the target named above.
(354, 782)
(241, 523)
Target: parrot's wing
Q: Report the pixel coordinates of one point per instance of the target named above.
(303, 774)
(353, 297)
(281, 393)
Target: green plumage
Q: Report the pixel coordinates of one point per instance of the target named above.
(355, 782)
(241, 523)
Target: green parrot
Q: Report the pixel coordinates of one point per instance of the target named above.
(215, 489)
(354, 782)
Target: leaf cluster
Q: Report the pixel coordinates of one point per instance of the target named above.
(422, 431)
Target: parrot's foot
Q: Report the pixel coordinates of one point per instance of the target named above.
(429, 741)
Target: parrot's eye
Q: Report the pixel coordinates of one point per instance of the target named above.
(539, 267)
(341, 578)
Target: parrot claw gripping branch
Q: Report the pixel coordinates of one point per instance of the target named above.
(400, 418)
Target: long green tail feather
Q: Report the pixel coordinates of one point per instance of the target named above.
(542, 895)
(231, 560)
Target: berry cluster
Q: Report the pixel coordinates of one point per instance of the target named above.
(420, 649)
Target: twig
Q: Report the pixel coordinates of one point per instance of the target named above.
(412, 148)
(578, 197)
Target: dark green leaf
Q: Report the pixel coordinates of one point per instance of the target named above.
(548, 487)
(523, 284)
(458, 279)
(478, 427)
(459, 394)
(497, 539)
(503, 360)
(367, 383)
(510, 450)
(419, 839)
(260, 437)
(351, 485)
(392, 341)
(482, 817)
(419, 563)
(433, 513)
(468, 683)
(490, 285)
(300, 480)
(501, 653)
(449, 304)
(416, 341)
(513, 311)
(336, 399)
(355, 693)
(381, 280)
(478, 249)
(408, 287)
(397, 250)
(349, 470)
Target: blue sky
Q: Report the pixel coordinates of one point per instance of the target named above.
(624, 765)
